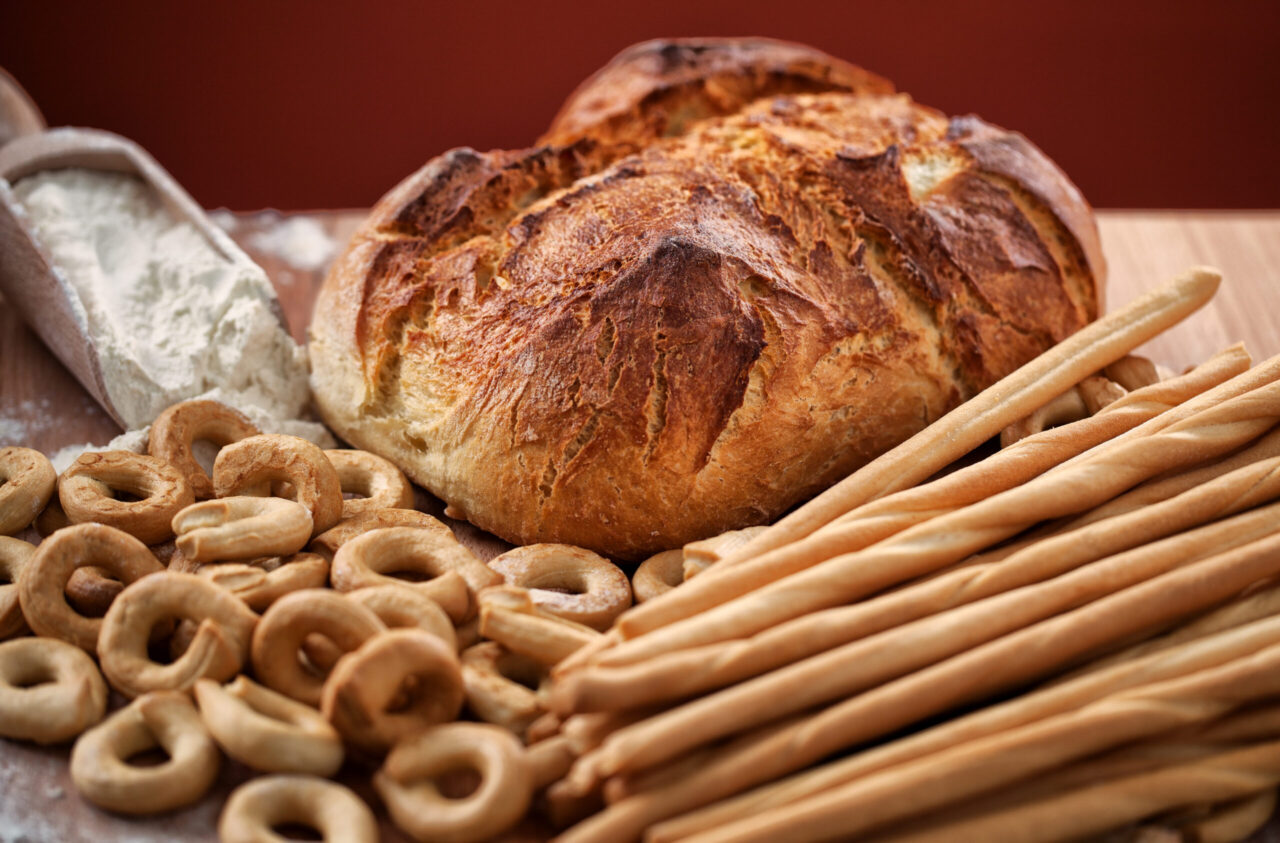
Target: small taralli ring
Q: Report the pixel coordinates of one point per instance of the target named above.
(86, 491)
(241, 527)
(217, 650)
(27, 480)
(264, 581)
(177, 428)
(266, 730)
(658, 574)
(166, 719)
(378, 482)
(286, 625)
(497, 683)
(252, 466)
(256, 807)
(569, 582)
(399, 607)
(43, 583)
(14, 555)
(368, 559)
(495, 806)
(328, 542)
(395, 685)
(50, 691)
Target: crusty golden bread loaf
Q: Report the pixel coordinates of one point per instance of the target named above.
(733, 272)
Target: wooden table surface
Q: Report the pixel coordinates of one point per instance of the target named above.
(42, 406)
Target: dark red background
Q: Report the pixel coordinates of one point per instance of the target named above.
(308, 104)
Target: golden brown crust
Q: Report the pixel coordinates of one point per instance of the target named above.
(697, 336)
(658, 89)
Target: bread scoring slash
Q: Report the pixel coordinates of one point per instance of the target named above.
(730, 273)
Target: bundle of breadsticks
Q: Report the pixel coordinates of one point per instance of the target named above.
(1075, 635)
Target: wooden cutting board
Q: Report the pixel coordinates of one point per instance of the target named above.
(42, 406)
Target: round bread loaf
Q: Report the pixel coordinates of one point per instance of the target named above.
(733, 272)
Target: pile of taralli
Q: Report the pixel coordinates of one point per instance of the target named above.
(1075, 635)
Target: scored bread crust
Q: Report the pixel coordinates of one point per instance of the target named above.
(734, 272)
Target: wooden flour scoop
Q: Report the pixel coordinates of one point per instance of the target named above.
(45, 297)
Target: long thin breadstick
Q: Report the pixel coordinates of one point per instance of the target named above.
(1096, 345)
(1006, 662)
(1152, 492)
(1229, 775)
(981, 766)
(864, 663)
(1262, 603)
(1036, 705)
(949, 538)
(884, 517)
(1256, 723)
(684, 673)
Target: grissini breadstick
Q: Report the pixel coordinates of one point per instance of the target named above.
(867, 662)
(1152, 492)
(1109, 470)
(587, 653)
(981, 417)
(1015, 659)
(871, 522)
(1176, 661)
(700, 555)
(1229, 775)
(1261, 603)
(626, 819)
(683, 673)
(1256, 723)
(981, 766)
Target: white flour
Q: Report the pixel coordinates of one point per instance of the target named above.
(172, 317)
(300, 242)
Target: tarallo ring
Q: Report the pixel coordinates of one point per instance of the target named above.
(397, 606)
(495, 806)
(224, 629)
(658, 574)
(396, 684)
(14, 555)
(253, 466)
(88, 488)
(569, 582)
(377, 481)
(42, 585)
(287, 624)
(266, 730)
(257, 807)
(328, 542)
(27, 480)
(368, 560)
(497, 683)
(241, 527)
(166, 719)
(50, 691)
(177, 428)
